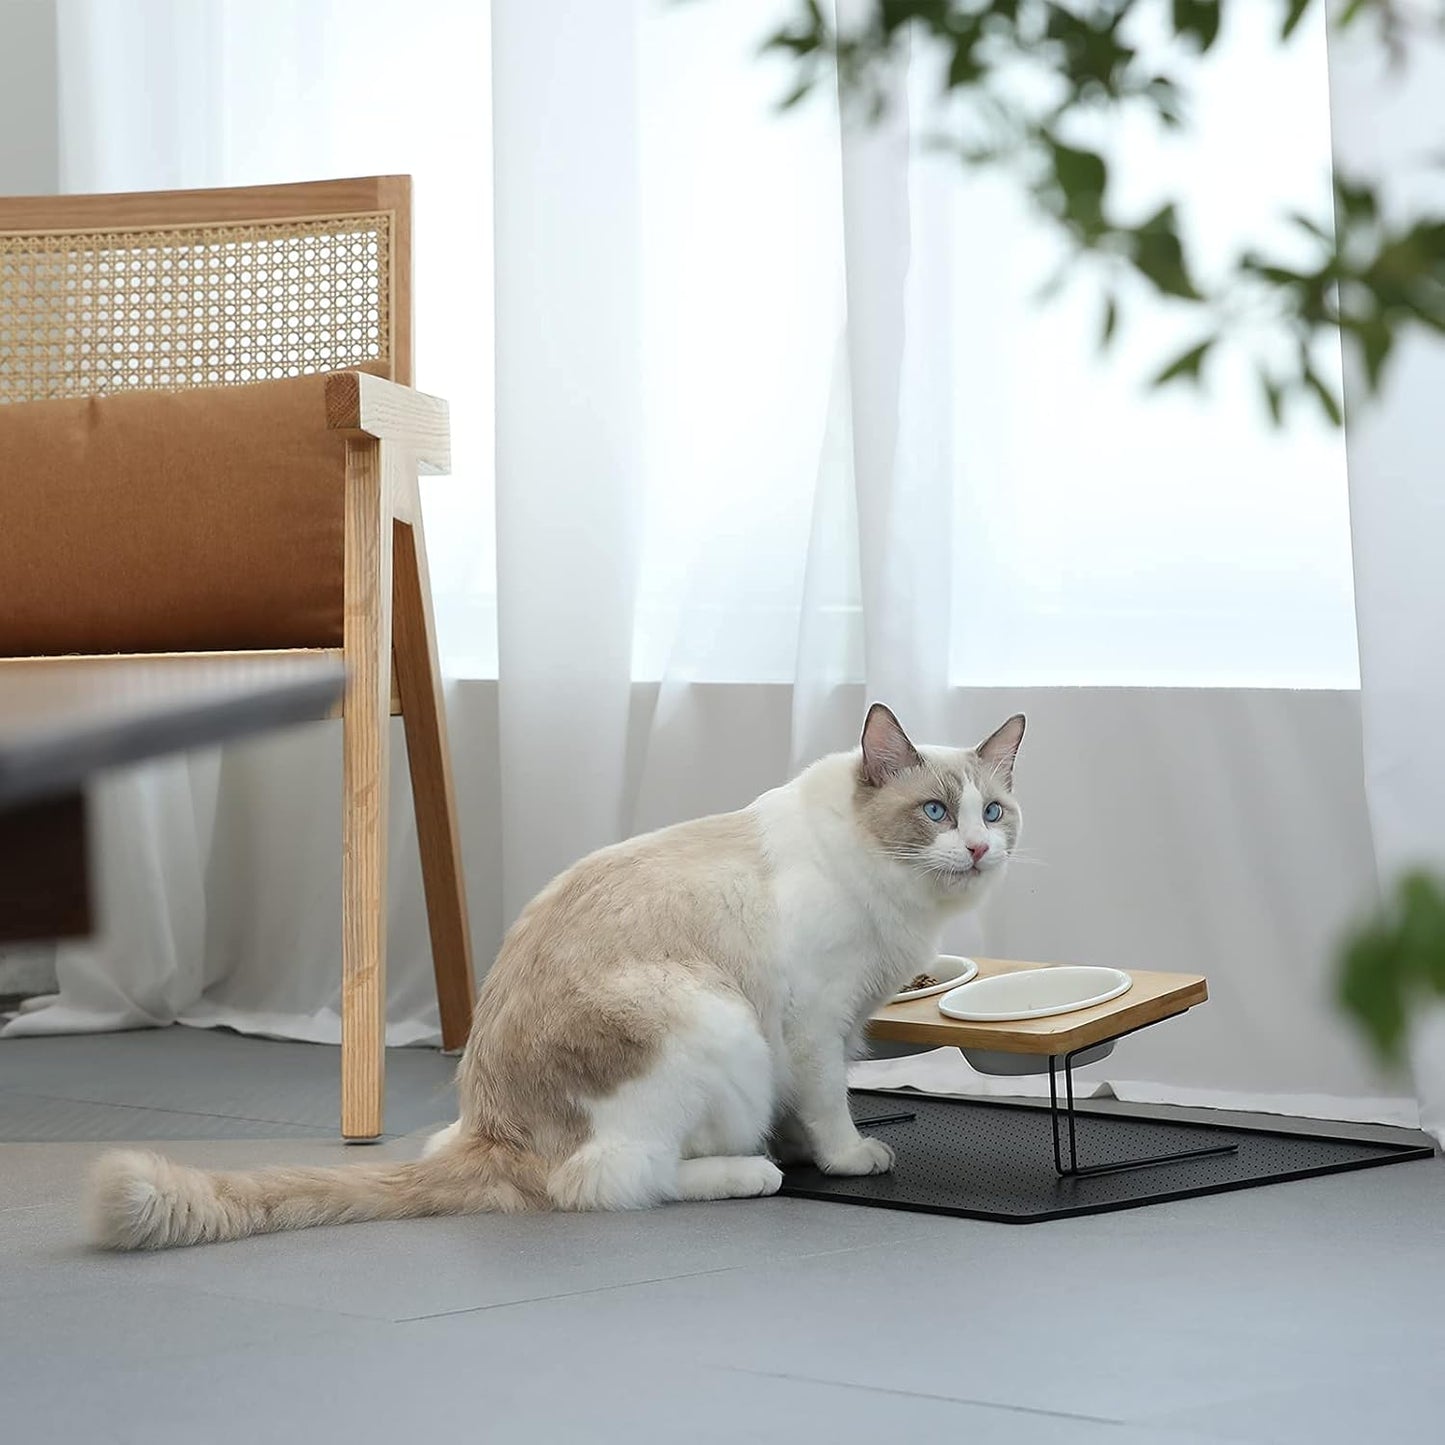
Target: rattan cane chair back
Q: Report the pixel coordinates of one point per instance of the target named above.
(177, 289)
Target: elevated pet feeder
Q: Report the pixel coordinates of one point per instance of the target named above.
(991, 1160)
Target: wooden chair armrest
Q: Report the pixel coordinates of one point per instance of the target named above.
(358, 401)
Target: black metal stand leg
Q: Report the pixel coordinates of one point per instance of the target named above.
(1073, 1169)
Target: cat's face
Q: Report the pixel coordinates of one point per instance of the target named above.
(949, 815)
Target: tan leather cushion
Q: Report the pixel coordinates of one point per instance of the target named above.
(171, 521)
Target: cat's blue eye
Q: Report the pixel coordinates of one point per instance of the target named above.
(993, 813)
(935, 811)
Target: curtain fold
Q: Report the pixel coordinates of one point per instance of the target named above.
(1385, 118)
(569, 425)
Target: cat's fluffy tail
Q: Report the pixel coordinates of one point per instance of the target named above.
(143, 1201)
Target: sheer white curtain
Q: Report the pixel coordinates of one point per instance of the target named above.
(718, 460)
(780, 426)
(1080, 532)
(1385, 118)
(869, 464)
(569, 427)
(220, 876)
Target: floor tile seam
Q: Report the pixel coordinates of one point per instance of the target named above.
(565, 1295)
(660, 1279)
(1007, 1406)
(319, 1313)
(161, 1109)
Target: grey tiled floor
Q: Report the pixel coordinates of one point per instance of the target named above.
(1303, 1312)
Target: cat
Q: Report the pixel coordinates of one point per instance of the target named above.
(666, 1011)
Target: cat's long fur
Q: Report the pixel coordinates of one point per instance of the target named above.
(661, 1009)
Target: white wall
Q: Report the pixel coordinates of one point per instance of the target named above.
(1216, 831)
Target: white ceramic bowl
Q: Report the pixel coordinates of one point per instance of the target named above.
(1034, 993)
(995, 1061)
(952, 969)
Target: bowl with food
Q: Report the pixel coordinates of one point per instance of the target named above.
(949, 970)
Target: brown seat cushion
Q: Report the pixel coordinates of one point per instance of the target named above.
(171, 521)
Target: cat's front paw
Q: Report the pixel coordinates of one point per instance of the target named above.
(867, 1156)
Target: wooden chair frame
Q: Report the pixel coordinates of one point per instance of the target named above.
(389, 635)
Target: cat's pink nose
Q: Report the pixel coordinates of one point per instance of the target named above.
(977, 850)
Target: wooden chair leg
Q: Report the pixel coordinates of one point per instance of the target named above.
(423, 712)
(366, 721)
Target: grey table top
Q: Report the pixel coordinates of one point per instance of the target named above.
(64, 719)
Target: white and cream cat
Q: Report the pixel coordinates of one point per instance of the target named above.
(666, 1011)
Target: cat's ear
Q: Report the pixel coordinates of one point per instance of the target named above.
(1000, 748)
(886, 749)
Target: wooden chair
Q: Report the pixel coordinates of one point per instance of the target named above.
(167, 304)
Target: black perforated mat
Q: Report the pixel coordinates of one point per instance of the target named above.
(987, 1160)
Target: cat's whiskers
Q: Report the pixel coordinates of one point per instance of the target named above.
(1024, 855)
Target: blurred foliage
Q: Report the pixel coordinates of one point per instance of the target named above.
(1394, 963)
(1368, 276)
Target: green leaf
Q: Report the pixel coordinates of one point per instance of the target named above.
(1079, 170)
(1158, 254)
(1110, 322)
(1356, 199)
(1273, 396)
(965, 68)
(799, 45)
(1092, 58)
(1279, 276)
(1372, 988)
(1422, 930)
(1053, 286)
(1306, 223)
(1082, 175)
(1199, 20)
(1329, 403)
(1168, 103)
(1395, 961)
(1297, 9)
(1377, 339)
(797, 93)
(1186, 364)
